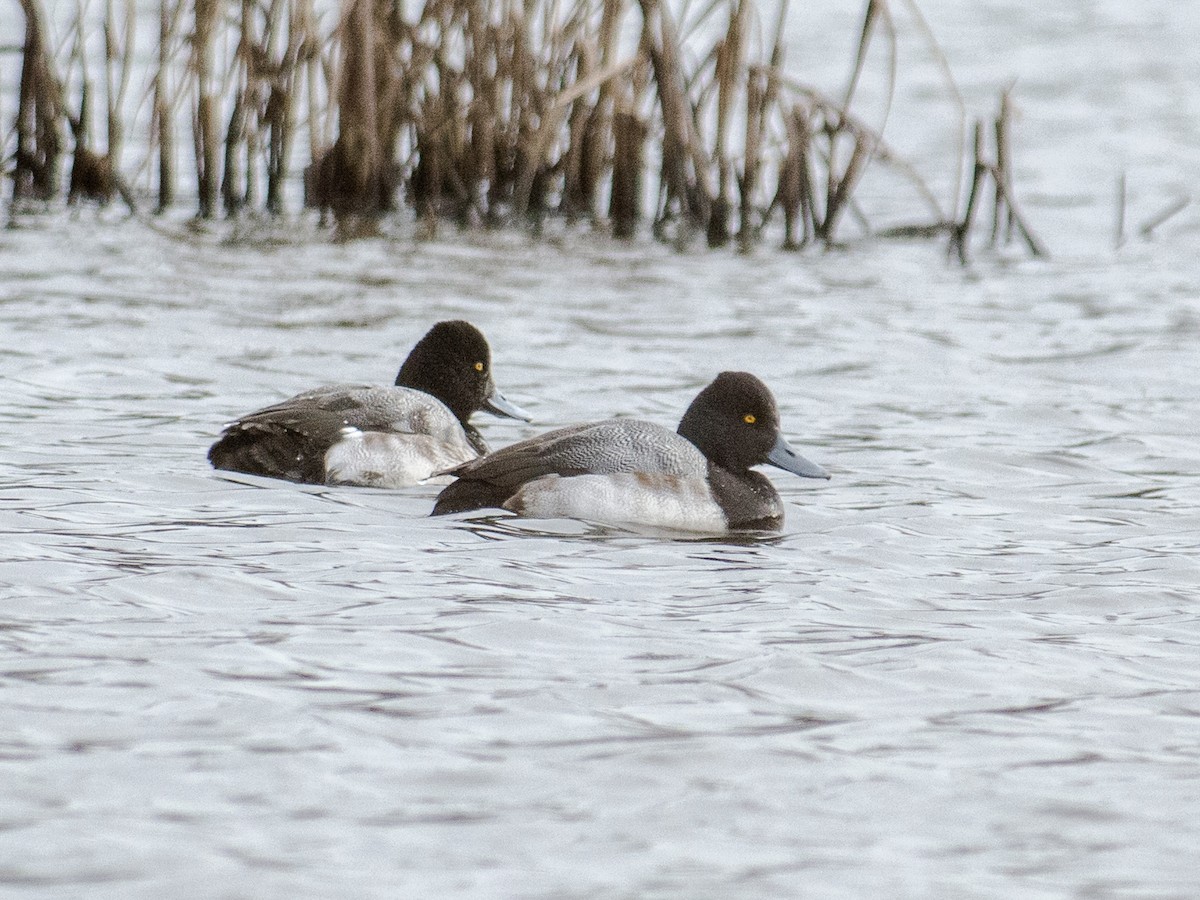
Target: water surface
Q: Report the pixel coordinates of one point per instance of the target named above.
(967, 666)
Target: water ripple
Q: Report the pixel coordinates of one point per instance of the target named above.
(971, 653)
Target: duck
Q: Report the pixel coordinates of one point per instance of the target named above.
(629, 472)
(377, 436)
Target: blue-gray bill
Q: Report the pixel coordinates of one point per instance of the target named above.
(783, 456)
(497, 405)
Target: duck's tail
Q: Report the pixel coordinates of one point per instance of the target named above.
(289, 445)
(467, 494)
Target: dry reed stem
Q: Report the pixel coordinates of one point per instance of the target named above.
(1036, 248)
(762, 91)
(682, 189)
(625, 203)
(1172, 209)
(163, 105)
(598, 128)
(860, 56)
(352, 178)
(552, 120)
(205, 133)
(279, 85)
(960, 235)
(1005, 214)
(232, 191)
(826, 119)
(730, 52)
(40, 112)
(757, 86)
(840, 186)
(795, 190)
(1002, 213)
(575, 196)
(118, 58)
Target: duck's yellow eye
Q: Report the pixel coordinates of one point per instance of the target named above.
(478, 367)
(749, 418)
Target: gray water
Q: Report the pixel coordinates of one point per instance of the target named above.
(967, 666)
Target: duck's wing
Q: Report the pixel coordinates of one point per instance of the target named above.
(395, 410)
(329, 390)
(288, 443)
(599, 448)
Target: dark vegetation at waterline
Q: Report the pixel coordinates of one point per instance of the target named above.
(489, 113)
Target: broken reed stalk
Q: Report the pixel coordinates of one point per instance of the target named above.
(1172, 209)
(960, 236)
(1147, 228)
(1002, 212)
(1005, 204)
(1036, 248)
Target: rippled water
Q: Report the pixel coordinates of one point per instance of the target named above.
(967, 667)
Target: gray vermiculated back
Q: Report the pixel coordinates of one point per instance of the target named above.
(608, 447)
(369, 407)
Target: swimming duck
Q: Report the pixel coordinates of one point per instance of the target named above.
(376, 436)
(630, 472)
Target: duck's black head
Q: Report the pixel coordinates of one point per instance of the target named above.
(453, 362)
(735, 423)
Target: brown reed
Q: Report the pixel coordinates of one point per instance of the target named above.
(40, 115)
(1004, 208)
(95, 174)
(496, 112)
